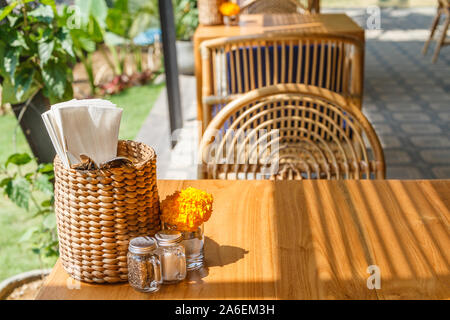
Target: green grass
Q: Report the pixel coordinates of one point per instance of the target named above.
(136, 103)
(17, 257)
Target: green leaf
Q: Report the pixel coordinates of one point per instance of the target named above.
(112, 39)
(86, 43)
(92, 8)
(10, 61)
(42, 13)
(43, 184)
(9, 92)
(66, 41)
(121, 5)
(36, 251)
(42, 212)
(18, 159)
(118, 22)
(29, 177)
(7, 10)
(23, 81)
(49, 221)
(28, 234)
(46, 203)
(140, 24)
(19, 42)
(50, 3)
(45, 50)
(45, 168)
(5, 182)
(54, 76)
(51, 252)
(18, 191)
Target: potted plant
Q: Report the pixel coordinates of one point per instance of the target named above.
(36, 59)
(186, 21)
(31, 190)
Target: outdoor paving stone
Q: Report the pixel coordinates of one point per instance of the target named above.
(395, 97)
(441, 172)
(403, 172)
(428, 89)
(375, 117)
(406, 98)
(397, 156)
(444, 116)
(416, 128)
(440, 105)
(382, 128)
(436, 156)
(431, 97)
(390, 142)
(398, 106)
(410, 117)
(430, 141)
(369, 106)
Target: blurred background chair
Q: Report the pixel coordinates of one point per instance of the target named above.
(279, 6)
(235, 65)
(443, 9)
(291, 131)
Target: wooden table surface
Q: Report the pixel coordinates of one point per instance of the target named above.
(336, 23)
(308, 240)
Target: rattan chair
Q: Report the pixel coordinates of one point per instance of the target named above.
(232, 66)
(443, 9)
(279, 6)
(291, 131)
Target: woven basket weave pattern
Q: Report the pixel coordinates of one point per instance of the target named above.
(99, 211)
(208, 12)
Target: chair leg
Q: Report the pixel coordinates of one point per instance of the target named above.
(441, 39)
(432, 30)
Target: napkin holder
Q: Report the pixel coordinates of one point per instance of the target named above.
(99, 211)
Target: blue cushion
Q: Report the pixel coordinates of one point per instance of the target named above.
(239, 53)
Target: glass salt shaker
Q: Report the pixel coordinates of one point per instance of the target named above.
(144, 265)
(172, 255)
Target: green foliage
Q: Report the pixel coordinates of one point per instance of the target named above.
(22, 189)
(186, 18)
(35, 52)
(124, 21)
(86, 23)
(128, 18)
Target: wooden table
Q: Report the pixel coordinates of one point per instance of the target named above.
(308, 240)
(336, 23)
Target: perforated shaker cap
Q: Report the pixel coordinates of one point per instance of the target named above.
(168, 237)
(142, 245)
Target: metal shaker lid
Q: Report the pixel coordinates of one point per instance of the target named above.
(142, 245)
(168, 237)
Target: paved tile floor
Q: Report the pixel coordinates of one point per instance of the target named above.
(407, 99)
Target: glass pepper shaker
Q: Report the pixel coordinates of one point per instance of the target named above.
(144, 265)
(172, 255)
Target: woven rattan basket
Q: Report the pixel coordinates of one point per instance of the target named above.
(208, 12)
(99, 211)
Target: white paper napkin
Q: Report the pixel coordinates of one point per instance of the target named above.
(84, 127)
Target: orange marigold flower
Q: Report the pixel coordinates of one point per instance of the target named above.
(229, 9)
(187, 209)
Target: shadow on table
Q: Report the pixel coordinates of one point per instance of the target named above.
(216, 255)
(323, 237)
(345, 228)
(221, 255)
